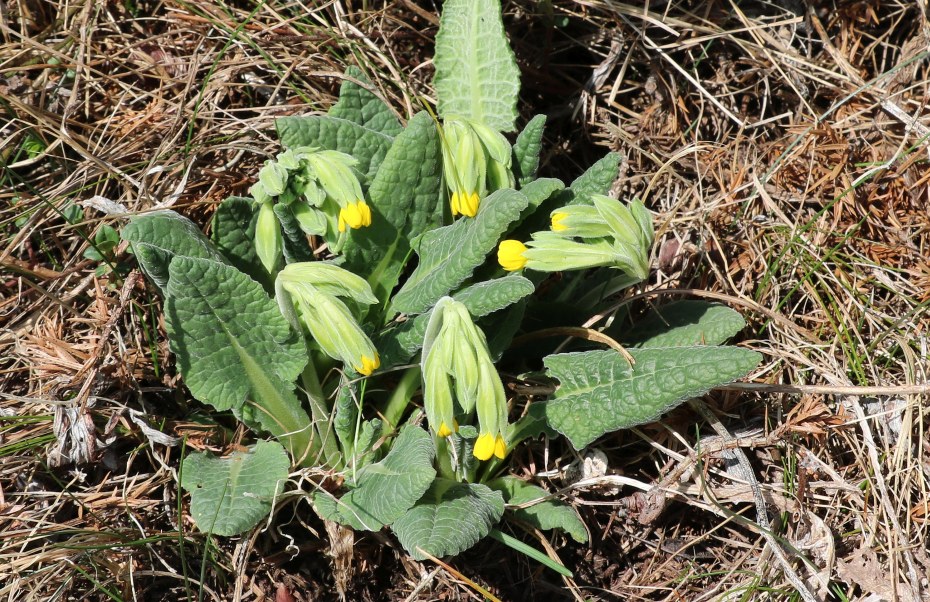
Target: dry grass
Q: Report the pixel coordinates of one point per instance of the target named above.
(784, 153)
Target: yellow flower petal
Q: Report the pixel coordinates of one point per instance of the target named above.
(445, 431)
(468, 205)
(500, 448)
(454, 204)
(484, 446)
(369, 365)
(557, 225)
(510, 255)
(354, 215)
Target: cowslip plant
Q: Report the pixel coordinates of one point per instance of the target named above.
(372, 358)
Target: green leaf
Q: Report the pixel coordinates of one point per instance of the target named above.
(476, 73)
(233, 233)
(405, 202)
(685, 323)
(359, 105)
(368, 146)
(296, 247)
(231, 495)
(526, 150)
(599, 392)
(232, 346)
(159, 236)
(596, 180)
(450, 254)
(450, 518)
(388, 488)
(399, 344)
(547, 514)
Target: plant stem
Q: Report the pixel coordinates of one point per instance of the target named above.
(400, 398)
(321, 416)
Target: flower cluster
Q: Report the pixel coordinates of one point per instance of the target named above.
(459, 377)
(475, 161)
(308, 295)
(322, 190)
(604, 233)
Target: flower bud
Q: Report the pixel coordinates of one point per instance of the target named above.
(475, 160)
(273, 177)
(455, 359)
(269, 243)
(308, 294)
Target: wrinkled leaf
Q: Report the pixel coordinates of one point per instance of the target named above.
(476, 74)
(231, 495)
(361, 106)
(233, 232)
(685, 323)
(404, 202)
(368, 146)
(232, 346)
(450, 254)
(296, 247)
(526, 150)
(547, 514)
(450, 518)
(159, 236)
(600, 393)
(387, 488)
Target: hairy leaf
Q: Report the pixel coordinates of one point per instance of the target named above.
(233, 346)
(233, 232)
(388, 488)
(159, 236)
(405, 201)
(541, 511)
(600, 392)
(450, 254)
(358, 104)
(526, 150)
(684, 323)
(368, 146)
(231, 495)
(476, 73)
(450, 518)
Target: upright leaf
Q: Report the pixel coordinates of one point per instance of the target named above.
(597, 179)
(160, 236)
(296, 247)
(233, 346)
(231, 495)
(405, 201)
(599, 392)
(526, 150)
(388, 488)
(368, 146)
(450, 518)
(450, 254)
(358, 104)
(233, 232)
(476, 74)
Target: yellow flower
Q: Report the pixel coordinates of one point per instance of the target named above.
(557, 225)
(488, 445)
(369, 365)
(466, 204)
(445, 431)
(355, 215)
(510, 254)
